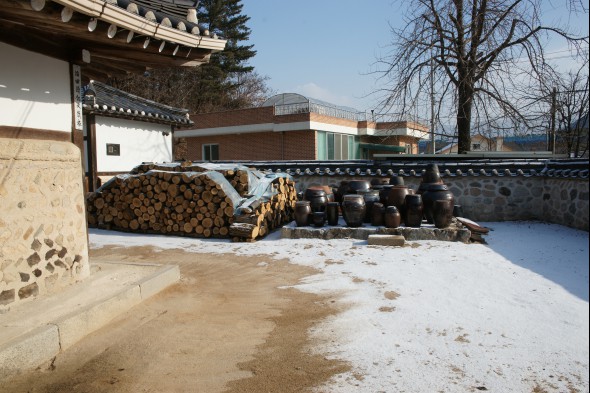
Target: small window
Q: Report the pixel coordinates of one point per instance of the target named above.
(476, 146)
(351, 155)
(210, 152)
(333, 146)
(322, 145)
(338, 147)
(330, 146)
(113, 149)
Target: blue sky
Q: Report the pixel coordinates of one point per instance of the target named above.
(323, 48)
(326, 49)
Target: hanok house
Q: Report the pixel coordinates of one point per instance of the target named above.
(294, 127)
(48, 51)
(114, 123)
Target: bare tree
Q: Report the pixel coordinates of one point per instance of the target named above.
(190, 89)
(477, 47)
(250, 90)
(562, 104)
(571, 112)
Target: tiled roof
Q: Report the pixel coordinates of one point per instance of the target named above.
(109, 38)
(108, 101)
(566, 168)
(171, 13)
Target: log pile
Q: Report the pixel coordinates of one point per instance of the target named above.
(197, 204)
(258, 216)
(188, 203)
(238, 176)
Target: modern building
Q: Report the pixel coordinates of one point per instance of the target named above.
(294, 127)
(50, 49)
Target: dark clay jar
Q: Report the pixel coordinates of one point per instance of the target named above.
(442, 213)
(302, 213)
(396, 180)
(392, 218)
(458, 211)
(328, 189)
(435, 192)
(318, 218)
(377, 214)
(379, 181)
(378, 187)
(414, 210)
(354, 186)
(397, 196)
(340, 191)
(431, 174)
(370, 197)
(332, 213)
(383, 192)
(353, 210)
(317, 198)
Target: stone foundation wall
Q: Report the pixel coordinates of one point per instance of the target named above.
(43, 233)
(502, 198)
(499, 199)
(565, 202)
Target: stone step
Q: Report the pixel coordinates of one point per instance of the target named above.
(386, 240)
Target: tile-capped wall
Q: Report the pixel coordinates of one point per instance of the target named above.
(561, 201)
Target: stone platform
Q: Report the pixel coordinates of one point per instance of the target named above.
(34, 332)
(456, 232)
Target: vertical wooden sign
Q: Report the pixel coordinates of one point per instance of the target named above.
(77, 81)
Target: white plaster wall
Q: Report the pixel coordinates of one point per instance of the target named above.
(140, 142)
(34, 90)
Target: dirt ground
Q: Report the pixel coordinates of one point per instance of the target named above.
(225, 327)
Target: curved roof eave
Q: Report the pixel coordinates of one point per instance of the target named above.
(112, 102)
(120, 17)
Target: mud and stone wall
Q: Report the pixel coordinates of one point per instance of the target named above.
(565, 202)
(43, 232)
(513, 197)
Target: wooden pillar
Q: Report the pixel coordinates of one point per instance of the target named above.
(91, 152)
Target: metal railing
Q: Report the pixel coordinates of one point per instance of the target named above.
(311, 107)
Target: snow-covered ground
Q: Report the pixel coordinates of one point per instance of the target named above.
(508, 316)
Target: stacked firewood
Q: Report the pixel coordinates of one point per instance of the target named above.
(198, 204)
(260, 215)
(190, 203)
(237, 176)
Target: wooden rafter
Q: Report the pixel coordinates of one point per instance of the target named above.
(45, 32)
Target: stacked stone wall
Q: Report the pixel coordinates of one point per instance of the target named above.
(565, 202)
(43, 233)
(499, 199)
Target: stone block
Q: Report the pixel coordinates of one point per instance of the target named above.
(29, 350)
(159, 281)
(73, 327)
(386, 240)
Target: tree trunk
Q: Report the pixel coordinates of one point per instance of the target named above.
(464, 107)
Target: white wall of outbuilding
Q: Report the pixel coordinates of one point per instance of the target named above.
(139, 142)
